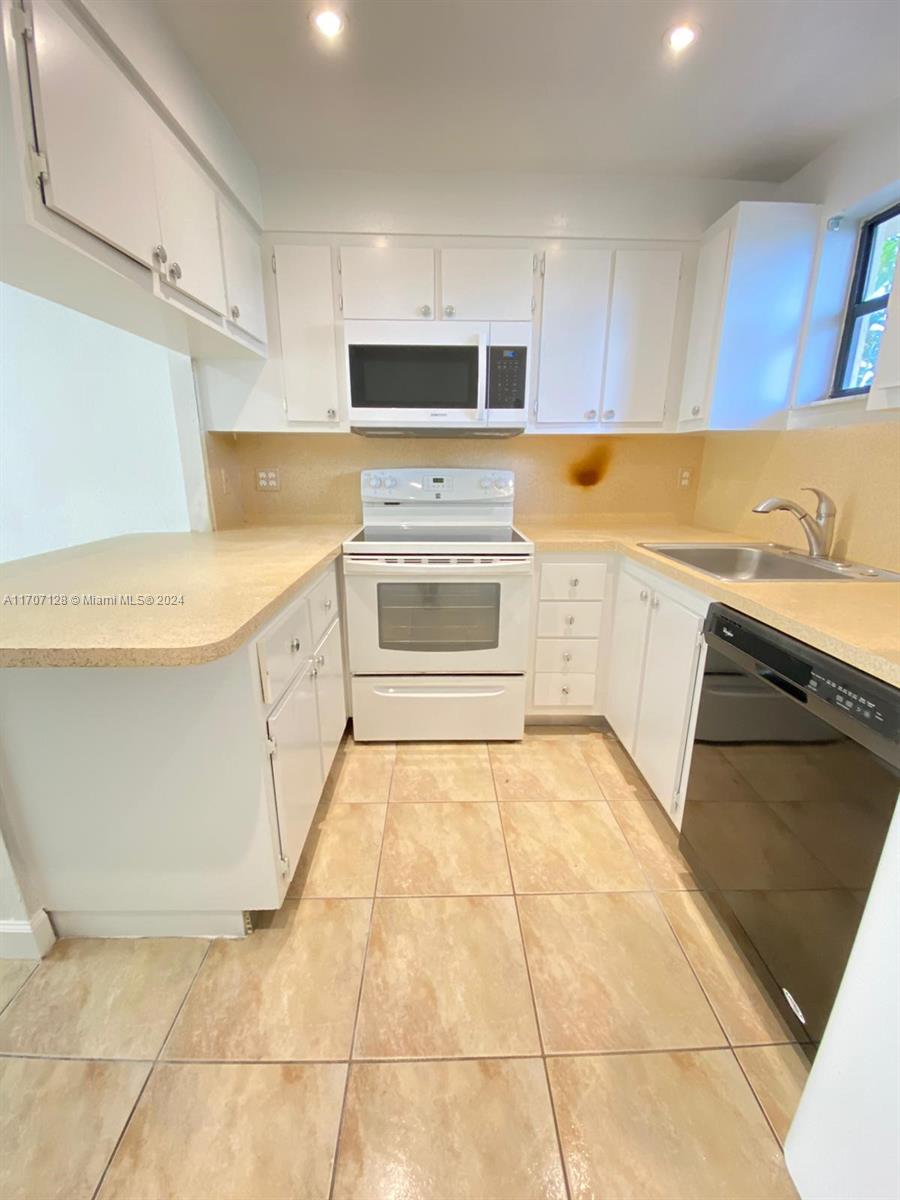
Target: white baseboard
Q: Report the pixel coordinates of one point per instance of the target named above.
(148, 924)
(30, 938)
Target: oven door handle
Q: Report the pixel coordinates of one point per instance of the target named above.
(472, 570)
(439, 691)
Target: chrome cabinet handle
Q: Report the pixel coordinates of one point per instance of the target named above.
(591, 414)
(695, 411)
(608, 414)
(319, 660)
(654, 603)
(574, 582)
(295, 645)
(327, 605)
(449, 310)
(565, 691)
(159, 253)
(567, 658)
(425, 310)
(235, 312)
(175, 271)
(644, 593)
(570, 620)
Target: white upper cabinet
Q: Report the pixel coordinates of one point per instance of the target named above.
(487, 285)
(641, 327)
(751, 296)
(95, 132)
(188, 223)
(393, 283)
(243, 274)
(573, 336)
(306, 314)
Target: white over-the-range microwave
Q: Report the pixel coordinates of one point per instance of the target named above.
(438, 377)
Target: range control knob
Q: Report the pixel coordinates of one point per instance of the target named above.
(486, 483)
(375, 481)
(390, 482)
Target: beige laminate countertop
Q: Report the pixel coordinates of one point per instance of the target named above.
(234, 581)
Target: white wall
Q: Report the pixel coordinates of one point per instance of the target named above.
(501, 205)
(139, 33)
(855, 178)
(98, 431)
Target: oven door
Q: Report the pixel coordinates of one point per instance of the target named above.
(412, 375)
(437, 617)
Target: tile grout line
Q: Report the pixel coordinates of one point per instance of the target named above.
(26, 980)
(537, 1020)
(153, 1064)
(362, 976)
(759, 1102)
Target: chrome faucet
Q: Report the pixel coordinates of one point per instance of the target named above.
(819, 529)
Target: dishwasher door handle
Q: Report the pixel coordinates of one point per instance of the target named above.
(784, 685)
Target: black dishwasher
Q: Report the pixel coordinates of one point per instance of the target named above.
(795, 772)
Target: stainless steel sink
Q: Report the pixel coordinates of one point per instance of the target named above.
(739, 563)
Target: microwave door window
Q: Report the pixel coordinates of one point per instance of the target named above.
(414, 377)
(438, 617)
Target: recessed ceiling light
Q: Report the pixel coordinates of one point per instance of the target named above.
(328, 22)
(681, 36)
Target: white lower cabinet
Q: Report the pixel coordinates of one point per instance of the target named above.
(331, 702)
(655, 659)
(570, 606)
(295, 750)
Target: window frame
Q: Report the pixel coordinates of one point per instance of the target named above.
(856, 306)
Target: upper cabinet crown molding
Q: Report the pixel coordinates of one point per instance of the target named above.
(750, 301)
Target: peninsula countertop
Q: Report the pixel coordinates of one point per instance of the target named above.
(233, 581)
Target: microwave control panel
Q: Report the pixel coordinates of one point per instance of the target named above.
(506, 377)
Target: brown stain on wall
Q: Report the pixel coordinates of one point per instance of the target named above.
(588, 471)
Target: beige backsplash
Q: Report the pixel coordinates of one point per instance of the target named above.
(858, 465)
(320, 472)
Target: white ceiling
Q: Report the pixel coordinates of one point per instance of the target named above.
(544, 85)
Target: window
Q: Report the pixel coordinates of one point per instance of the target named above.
(873, 276)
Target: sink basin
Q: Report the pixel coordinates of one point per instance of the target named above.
(767, 562)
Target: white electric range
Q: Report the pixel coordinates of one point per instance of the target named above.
(438, 586)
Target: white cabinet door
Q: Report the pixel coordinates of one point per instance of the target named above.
(641, 325)
(670, 668)
(573, 336)
(188, 222)
(306, 315)
(706, 318)
(393, 283)
(626, 658)
(95, 131)
(330, 695)
(242, 259)
(296, 764)
(487, 285)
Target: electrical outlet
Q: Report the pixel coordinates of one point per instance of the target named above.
(684, 477)
(268, 479)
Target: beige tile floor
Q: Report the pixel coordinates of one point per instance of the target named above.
(494, 978)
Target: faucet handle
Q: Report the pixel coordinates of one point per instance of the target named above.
(826, 506)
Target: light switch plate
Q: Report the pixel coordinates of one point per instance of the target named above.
(268, 479)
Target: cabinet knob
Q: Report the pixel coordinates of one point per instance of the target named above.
(565, 691)
(695, 411)
(609, 414)
(567, 658)
(654, 603)
(425, 310)
(644, 593)
(327, 605)
(235, 312)
(332, 414)
(574, 582)
(175, 271)
(159, 253)
(319, 660)
(295, 645)
(591, 414)
(570, 620)
(449, 310)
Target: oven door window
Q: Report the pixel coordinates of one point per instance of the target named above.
(431, 617)
(410, 377)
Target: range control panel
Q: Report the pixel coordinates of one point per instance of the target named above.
(506, 377)
(421, 486)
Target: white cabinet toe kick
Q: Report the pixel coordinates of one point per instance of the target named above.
(447, 708)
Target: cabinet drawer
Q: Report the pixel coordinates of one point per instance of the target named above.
(283, 650)
(569, 619)
(573, 581)
(568, 657)
(554, 689)
(323, 604)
